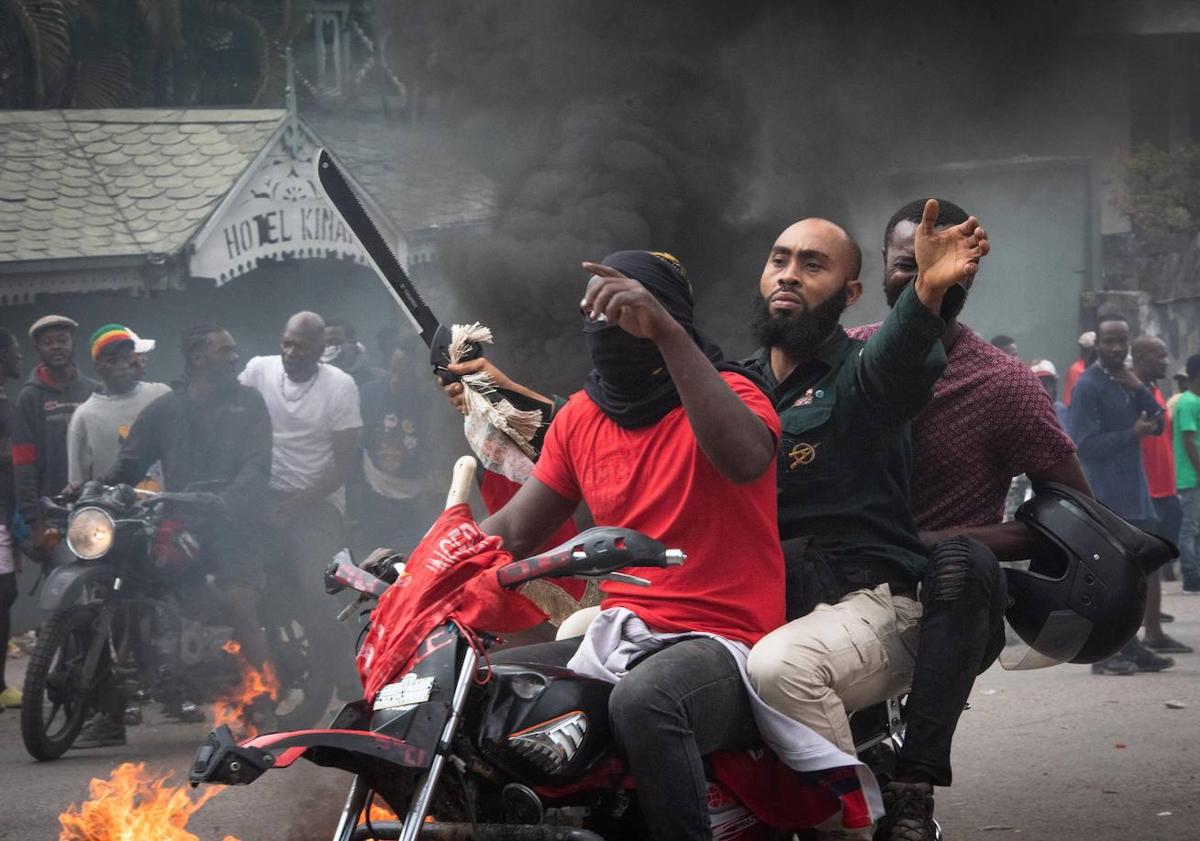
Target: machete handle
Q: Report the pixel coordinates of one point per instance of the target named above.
(439, 354)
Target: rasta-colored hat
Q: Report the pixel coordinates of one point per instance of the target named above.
(108, 336)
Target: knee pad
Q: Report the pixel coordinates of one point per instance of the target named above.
(955, 565)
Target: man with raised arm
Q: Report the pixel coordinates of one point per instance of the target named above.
(662, 441)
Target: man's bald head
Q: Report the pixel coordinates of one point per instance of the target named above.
(811, 261)
(834, 236)
(306, 322)
(1149, 358)
(302, 344)
(811, 276)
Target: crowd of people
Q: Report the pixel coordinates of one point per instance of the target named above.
(1139, 452)
(858, 480)
(304, 460)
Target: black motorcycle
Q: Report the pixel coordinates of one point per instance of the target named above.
(132, 608)
(526, 754)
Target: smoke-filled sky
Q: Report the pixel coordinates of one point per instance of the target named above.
(703, 129)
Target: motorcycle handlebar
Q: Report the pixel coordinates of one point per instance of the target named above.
(596, 553)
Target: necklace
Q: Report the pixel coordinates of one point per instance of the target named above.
(305, 389)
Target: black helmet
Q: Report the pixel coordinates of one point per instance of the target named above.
(1084, 595)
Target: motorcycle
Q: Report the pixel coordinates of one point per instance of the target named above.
(523, 753)
(130, 606)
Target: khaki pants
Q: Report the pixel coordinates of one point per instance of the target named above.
(839, 658)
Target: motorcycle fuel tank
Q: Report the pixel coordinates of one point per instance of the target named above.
(544, 725)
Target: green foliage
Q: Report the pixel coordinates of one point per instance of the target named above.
(1161, 189)
(136, 53)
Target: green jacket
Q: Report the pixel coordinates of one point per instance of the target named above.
(845, 455)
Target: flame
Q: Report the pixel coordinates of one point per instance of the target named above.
(380, 812)
(131, 805)
(231, 709)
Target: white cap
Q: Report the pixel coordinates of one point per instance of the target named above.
(141, 345)
(1044, 368)
(1087, 339)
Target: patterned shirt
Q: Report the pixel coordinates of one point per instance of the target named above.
(990, 420)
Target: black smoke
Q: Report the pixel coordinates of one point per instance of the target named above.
(699, 128)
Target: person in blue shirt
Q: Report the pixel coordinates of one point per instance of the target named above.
(1111, 411)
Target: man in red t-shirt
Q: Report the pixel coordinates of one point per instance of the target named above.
(1158, 461)
(663, 442)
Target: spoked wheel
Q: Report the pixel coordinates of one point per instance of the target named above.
(56, 698)
(306, 683)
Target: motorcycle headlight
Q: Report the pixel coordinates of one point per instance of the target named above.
(90, 533)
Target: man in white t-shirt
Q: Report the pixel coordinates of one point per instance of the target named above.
(316, 423)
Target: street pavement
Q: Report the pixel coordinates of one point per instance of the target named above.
(1057, 754)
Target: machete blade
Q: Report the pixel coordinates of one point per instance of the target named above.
(341, 196)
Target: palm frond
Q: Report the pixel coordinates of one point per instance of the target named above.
(103, 79)
(46, 28)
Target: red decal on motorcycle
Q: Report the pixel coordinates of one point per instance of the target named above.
(289, 756)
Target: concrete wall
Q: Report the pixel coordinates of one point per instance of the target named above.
(1159, 277)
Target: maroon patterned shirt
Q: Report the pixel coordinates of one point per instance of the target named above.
(990, 420)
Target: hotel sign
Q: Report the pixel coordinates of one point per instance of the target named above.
(275, 213)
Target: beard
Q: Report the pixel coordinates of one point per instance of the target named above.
(799, 334)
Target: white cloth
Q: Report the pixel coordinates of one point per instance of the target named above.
(617, 637)
(304, 418)
(100, 425)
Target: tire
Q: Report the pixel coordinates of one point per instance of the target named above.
(306, 680)
(55, 702)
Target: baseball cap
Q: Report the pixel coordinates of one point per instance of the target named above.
(1087, 339)
(1044, 368)
(141, 345)
(52, 321)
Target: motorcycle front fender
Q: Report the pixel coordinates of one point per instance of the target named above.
(65, 584)
(223, 761)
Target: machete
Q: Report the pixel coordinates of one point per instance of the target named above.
(435, 334)
(347, 205)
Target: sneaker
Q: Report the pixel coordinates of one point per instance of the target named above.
(1167, 645)
(909, 813)
(1166, 618)
(1115, 665)
(10, 698)
(100, 732)
(1145, 659)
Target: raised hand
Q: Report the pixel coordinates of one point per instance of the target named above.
(626, 303)
(949, 256)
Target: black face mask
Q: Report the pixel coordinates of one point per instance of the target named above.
(802, 334)
(630, 368)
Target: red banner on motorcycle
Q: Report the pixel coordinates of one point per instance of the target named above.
(442, 581)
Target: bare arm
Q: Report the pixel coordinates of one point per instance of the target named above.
(526, 522)
(454, 390)
(345, 448)
(735, 440)
(1013, 541)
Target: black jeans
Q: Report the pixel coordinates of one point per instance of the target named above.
(673, 707)
(964, 596)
